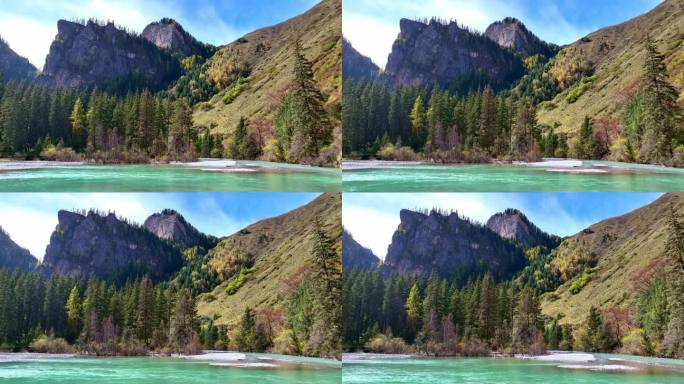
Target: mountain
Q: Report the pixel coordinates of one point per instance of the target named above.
(514, 225)
(608, 263)
(354, 255)
(171, 225)
(253, 72)
(98, 54)
(512, 33)
(437, 53)
(169, 34)
(13, 66)
(94, 244)
(611, 61)
(450, 246)
(273, 255)
(13, 256)
(356, 66)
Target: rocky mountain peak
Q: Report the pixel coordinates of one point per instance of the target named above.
(169, 34)
(355, 65)
(13, 66)
(449, 245)
(171, 225)
(512, 33)
(12, 256)
(437, 52)
(102, 245)
(354, 255)
(100, 54)
(512, 224)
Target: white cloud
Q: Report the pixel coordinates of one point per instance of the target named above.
(28, 37)
(371, 228)
(369, 36)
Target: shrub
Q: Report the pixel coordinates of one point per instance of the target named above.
(53, 153)
(234, 91)
(579, 89)
(49, 344)
(388, 344)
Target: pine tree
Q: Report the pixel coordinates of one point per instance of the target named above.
(239, 143)
(79, 124)
(74, 315)
(179, 131)
(662, 113)
(587, 144)
(418, 124)
(414, 311)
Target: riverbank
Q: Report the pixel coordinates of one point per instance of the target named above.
(550, 175)
(208, 368)
(556, 366)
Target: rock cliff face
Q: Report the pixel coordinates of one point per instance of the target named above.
(354, 255)
(512, 33)
(448, 55)
(13, 256)
(356, 66)
(171, 225)
(448, 245)
(514, 225)
(169, 34)
(13, 66)
(90, 244)
(105, 56)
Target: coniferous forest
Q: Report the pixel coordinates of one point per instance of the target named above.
(480, 124)
(389, 312)
(126, 120)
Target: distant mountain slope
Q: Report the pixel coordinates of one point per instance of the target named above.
(356, 66)
(512, 33)
(13, 256)
(13, 66)
(611, 261)
(437, 53)
(614, 57)
(169, 34)
(449, 246)
(171, 225)
(102, 55)
(105, 246)
(274, 255)
(514, 225)
(354, 255)
(264, 60)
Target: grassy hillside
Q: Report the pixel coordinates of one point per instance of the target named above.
(610, 262)
(254, 71)
(610, 61)
(274, 254)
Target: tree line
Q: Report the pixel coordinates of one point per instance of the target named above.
(406, 123)
(70, 124)
(437, 316)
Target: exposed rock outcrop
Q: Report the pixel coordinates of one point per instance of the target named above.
(354, 255)
(12, 256)
(356, 66)
(105, 56)
(512, 33)
(449, 245)
(84, 245)
(13, 66)
(448, 55)
(514, 225)
(171, 225)
(169, 34)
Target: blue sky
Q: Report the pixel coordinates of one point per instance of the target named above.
(30, 26)
(372, 25)
(372, 218)
(30, 218)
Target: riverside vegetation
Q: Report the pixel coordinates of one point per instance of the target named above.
(162, 296)
(392, 308)
(150, 113)
(405, 114)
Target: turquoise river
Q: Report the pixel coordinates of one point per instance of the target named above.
(254, 368)
(548, 176)
(205, 175)
(599, 369)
